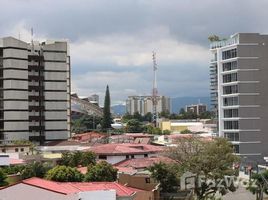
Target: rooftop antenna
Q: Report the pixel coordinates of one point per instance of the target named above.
(154, 92)
(32, 43)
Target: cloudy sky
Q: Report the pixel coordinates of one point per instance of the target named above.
(111, 41)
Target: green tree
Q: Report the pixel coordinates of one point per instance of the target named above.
(64, 174)
(213, 38)
(258, 184)
(211, 160)
(3, 178)
(74, 159)
(137, 116)
(107, 118)
(134, 126)
(148, 117)
(186, 131)
(85, 123)
(166, 175)
(102, 171)
(35, 169)
(166, 132)
(206, 115)
(182, 111)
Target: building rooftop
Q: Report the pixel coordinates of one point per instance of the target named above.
(72, 188)
(125, 149)
(141, 163)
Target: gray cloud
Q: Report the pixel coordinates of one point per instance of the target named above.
(111, 40)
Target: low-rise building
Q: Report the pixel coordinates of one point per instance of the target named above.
(36, 188)
(176, 126)
(196, 108)
(114, 153)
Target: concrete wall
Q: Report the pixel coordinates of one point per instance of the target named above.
(26, 192)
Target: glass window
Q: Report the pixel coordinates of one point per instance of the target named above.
(230, 101)
(231, 125)
(229, 54)
(227, 78)
(236, 148)
(231, 89)
(229, 66)
(230, 113)
(232, 136)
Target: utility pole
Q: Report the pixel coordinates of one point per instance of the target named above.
(154, 92)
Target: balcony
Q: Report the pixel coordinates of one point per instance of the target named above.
(36, 128)
(40, 138)
(36, 67)
(36, 108)
(38, 88)
(36, 98)
(36, 118)
(35, 57)
(36, 78)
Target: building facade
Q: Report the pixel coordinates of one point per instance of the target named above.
(197, 108)
(240, 84)
(34, 90)
(144, 104)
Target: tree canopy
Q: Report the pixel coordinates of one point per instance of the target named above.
(78, 158)
(36, 169)
(210, 160)
(102, 171)
(63, 173)
(258, 184)
(107, 117)
(3, 178)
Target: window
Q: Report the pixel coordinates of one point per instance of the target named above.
(229, 54)
(127, 156)
(145, 155)
(230, 101)
(229, 66)
(232, 89)
(231, 125)
(16, 150)
(102, 157)
(229, 113)
(236, 148)
(147, 180)
(22, 149)
(227, 78)
(232, 136)
(3, 150)
(132, 156)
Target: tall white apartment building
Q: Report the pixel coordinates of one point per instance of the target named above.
(34, 90)
(239, 81)
(144, 104)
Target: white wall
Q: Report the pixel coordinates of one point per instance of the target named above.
(98, 195)
(26, 192)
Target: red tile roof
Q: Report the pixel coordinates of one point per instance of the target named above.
(125, 149)
(87, 136)
(14, 161)
(72, 188)
(141, 163)
(126, 170)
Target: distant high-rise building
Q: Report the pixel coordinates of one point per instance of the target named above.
(239, 71)
(144, 104)
(196, 108)
(34, 90)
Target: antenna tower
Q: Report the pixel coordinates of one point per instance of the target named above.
(154, 92)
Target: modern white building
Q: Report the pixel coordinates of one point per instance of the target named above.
(34, 90)
(239, 83)
(144, 104)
